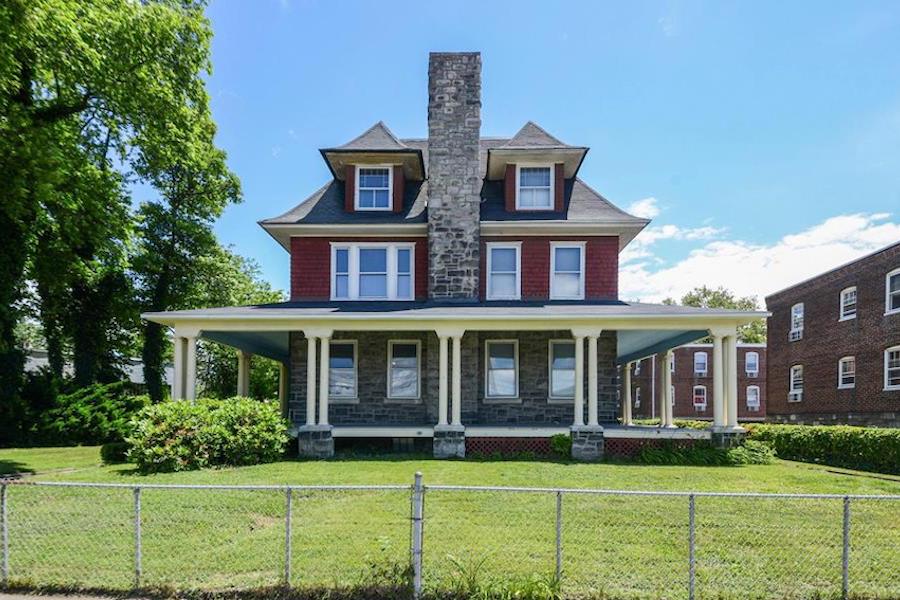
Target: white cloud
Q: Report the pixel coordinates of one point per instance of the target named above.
(647, 208)
(751, 269)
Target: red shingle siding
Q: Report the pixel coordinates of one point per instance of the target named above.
(311, 265)
(601, 265)
(509, 188)
(349, 189)
(399, 182)
(559, 191)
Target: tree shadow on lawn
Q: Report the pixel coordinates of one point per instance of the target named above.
(14, 469)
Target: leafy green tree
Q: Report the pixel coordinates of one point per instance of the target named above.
(707, 297)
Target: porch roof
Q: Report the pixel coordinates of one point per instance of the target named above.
(643, 329)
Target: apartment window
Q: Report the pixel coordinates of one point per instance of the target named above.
(848, 303)
(700, 363)
(753, 398)
(892, 292)
(567, 271)
(795, 393)
(699, 397)
(372, 271)
(503, 262)
(672, 395)
(562, 370)
(501, 369)
(535, 188)
(892, 368)
(637, 397)
(403, 369)
(847, 372)
(373, 188)
(751, 364)
(796, 332)
(637, 367)
(342, 370)
(672, 362)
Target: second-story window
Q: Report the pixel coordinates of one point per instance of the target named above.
(848, 303)
(535, 189)
(503, 271)
(796, 331)
(700, 398)
(892, 292)
(700, 363)
(372, 271)
(751, 364)
(373, 188)
(567, 271)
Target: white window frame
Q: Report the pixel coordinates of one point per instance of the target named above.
(843, 315)
(796, 333)
(751, 372)
(672, 363)
(489, 247)
(353, 249)
(637, 397)
(705, 370)
(356, 189)
(699, 407)
(487, 345)
(887, 293)
(794, 394)
(550, 396)
(390, 353)
(582, 248)
(351, 399)
(753, 407)
(887, 351)
(637, 367)
(552, 185)
(840, 381)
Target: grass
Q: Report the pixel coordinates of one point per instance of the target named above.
(624, 546)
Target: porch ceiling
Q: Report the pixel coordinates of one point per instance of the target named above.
(270, 344)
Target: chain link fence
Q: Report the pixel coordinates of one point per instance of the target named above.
(438, 538)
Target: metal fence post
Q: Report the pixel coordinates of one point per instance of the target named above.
(4, 533)
(558, 535)
(138, 559)
(845, 558)
(417, 516)
(288, 511)
(692, 543)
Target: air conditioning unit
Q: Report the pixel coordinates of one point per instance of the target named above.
(795, 334)
(700, 373)
(795, 396)
(752, 373)
(699, 407)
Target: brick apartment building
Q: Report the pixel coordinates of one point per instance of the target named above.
(692, 387)
(834, 345)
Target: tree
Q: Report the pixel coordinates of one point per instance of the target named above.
(706, 297)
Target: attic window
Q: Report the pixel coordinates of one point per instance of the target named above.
(534, 188)
(373, 188)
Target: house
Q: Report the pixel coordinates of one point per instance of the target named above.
(460, 289)
(834, 345)
(692, 390)
(133, 368)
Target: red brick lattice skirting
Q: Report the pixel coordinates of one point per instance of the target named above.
(486, 446)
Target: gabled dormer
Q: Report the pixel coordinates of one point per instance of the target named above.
(536, 170)
(375, 169)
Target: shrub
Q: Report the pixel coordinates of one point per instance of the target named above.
(561, 445)
(180, 436)
(705, 454)
(95, 414)
(114, 453)
(864, 448)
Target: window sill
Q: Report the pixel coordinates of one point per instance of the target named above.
(499, 400)
(847, 387)
(502, 298)
(343, 400)
(379, 209)
(581, 297)
(389, 400)
(892, 388)
(841, 319)
(703, 374)
(552, 400)
(896, 311)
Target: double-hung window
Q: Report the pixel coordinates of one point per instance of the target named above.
(403, 370)
(503, 266)
(751, 364)
(796, 331)
(535, 188)
(637, 367)
(374, 187)
(892, 292)
(637, 397)
(700, 364)
(342, 370)
(753, 398)
(892, 368)
(847, 372)
(795, 392)
(672, 363)
(562, 370)
(699, 398)
(501, 367)
(848, 303)
(372, 271)
(566, 271)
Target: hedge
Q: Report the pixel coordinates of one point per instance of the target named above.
(95, 414)
(863, 448)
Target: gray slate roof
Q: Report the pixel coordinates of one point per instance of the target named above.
(376, 137)
(533, 135)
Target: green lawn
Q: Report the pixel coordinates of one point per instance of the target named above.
(627, 546)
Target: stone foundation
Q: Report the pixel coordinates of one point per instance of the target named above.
(315, 441)
(587, 443)
(449, 441)
(727, 438)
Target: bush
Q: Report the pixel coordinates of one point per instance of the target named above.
(114, 453)
(864, 448)
(705, 454)
(180, 436)
(95, 414)
(561, 445)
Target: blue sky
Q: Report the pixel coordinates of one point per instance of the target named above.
(762, 137)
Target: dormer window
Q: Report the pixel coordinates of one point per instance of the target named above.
(534, 187)
(374, 187)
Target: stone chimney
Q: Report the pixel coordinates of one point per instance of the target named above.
(454, 181)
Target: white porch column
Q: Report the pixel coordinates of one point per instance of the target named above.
(718, 369)
(178, 368)
(190, 384)
(579, 382)
(283, 387)
(626, 394)
(443, 359)
(324, 380)
(592, 381)
(670, 422)
(457, 380)
(665, 379)
(310, 380)
(731, 381)
(243, 378)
